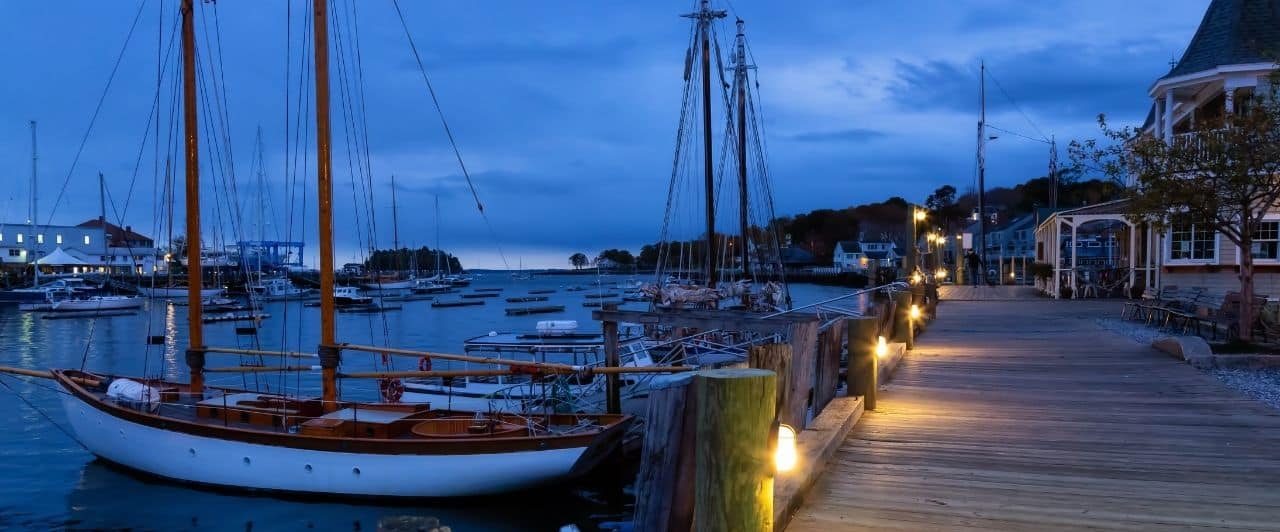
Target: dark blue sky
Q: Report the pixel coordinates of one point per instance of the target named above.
(566, 111)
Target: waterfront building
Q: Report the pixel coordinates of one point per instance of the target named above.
(99, 245)
(859, 256)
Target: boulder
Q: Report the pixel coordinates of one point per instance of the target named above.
(1192, 349)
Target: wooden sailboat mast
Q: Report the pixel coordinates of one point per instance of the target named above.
(740, 81)
(35, 254)
(704, 16)
(328, 350)
(195, 351)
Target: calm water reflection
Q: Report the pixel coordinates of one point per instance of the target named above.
(48, 481)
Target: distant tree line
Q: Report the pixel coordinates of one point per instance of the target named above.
(421, 259)
(817, 231)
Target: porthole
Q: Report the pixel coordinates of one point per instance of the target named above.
(192, 451)
(355, 470)
(246, 460)
(307, 468)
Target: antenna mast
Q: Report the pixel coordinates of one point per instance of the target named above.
(982, 168)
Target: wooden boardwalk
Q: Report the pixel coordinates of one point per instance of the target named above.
(986, 293)
(1027, 415)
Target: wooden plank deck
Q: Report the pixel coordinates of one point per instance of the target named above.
(986, 293)
(1027, 415)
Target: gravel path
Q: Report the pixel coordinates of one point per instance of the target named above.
(1261, 384)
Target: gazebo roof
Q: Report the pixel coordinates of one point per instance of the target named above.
(1115, 209)
(60, 258)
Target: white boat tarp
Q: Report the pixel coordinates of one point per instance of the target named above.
(58, 257)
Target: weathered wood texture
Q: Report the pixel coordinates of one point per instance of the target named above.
(827, 379)
(775, 358)
(735, 469)
(664, 488)
(861, 376)
(1027, 415)
(804, 352)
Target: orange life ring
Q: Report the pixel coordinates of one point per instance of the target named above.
(391, 390)
(424, 364)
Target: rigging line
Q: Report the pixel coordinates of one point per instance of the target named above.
(1015, 105)
(142, 148)
(1016, 134)
(448, 133)
(4, 382)
(96, 110)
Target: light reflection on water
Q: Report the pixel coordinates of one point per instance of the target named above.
(48, 481)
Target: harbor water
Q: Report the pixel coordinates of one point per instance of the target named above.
(47, 480)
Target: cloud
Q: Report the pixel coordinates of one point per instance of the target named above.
(844, 135)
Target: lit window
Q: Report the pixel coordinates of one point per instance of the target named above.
(40, 238)
(1192, 242)
(1266, 240)
(86, 240)
(1, 237)
(19, 238)
(58, 238)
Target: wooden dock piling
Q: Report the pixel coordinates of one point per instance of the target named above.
(863, 366)
(613, 391)
(902, 327)
(664, 488)
(734, 489)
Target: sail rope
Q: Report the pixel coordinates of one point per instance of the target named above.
(102, 98)
(449, 133)
(4, 382)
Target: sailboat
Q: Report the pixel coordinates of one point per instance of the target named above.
(236, 438)
(395, 281)
(742, 271)
(520, 275)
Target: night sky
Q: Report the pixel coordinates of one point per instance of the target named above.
(566, 112)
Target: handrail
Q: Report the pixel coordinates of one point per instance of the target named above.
(894, 286)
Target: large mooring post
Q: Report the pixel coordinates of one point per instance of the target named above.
(863, 366)
(902, 327)
(665, 483)
(613, 382)
(734, 463)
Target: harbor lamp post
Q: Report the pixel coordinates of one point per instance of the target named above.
(917, 216)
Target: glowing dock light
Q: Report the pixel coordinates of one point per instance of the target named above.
(940, 274)
(916, 278)
(882, 347)
(920, 214)
(915, 312)
(1013, 275)
(784, 458)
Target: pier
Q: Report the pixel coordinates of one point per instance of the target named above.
(1028, 415)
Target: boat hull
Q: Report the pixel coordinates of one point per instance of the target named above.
(205, 293)
(236, 464)
(106, 303)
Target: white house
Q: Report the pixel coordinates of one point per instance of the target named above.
(857, 256)
(1228, 59)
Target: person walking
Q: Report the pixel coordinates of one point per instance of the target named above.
(974, 264)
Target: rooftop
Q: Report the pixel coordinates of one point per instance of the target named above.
(1233, 32)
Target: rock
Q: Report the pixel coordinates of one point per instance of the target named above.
(1192, 349)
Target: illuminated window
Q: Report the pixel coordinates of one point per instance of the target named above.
(40, 238)
(58, 238)
(1, 237)
(19, 238)
(86, 240)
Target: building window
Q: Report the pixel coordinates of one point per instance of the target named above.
(1193, 242)
(1266, 240)
(19, 238)
(1, 237)
(58, 238)
(15, 253)
(86, 240)
(40, 238)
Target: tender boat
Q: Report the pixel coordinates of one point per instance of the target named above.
(177, 292)
(277, 289)
(348, 295)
